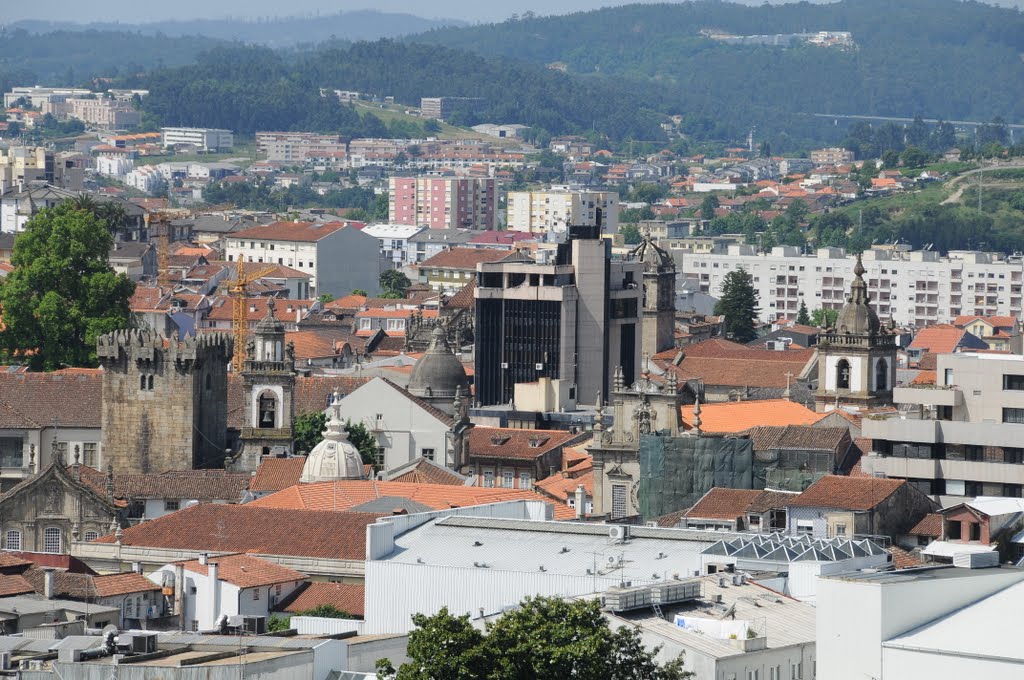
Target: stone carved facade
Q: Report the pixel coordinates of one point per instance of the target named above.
(164, 400)
(54, 508)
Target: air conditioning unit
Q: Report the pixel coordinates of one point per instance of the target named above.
(618, 533)
(273, 601)
(137, 643)
(254, 625)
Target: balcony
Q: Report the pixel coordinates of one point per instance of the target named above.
(278, 433)
(928, 396)
(268, 366)
(926, 468)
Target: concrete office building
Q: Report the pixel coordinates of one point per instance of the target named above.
(960, 438)
(206, 139)
(914, 288)
(555, 210)
(574, 320)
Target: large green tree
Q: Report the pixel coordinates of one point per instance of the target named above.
(308, 432)
(544, 639)
(738, 305)
(62, 293)
(394, 283)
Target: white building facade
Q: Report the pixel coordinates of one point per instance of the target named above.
(914, 288)
(207, 139)
(557, 209)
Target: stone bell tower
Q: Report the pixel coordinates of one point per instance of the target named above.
(659, 299)
(856, 358)
(268, 377)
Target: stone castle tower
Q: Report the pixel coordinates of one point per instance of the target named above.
(164, 400)
(856, 358)
(268, 376)
(659, 302)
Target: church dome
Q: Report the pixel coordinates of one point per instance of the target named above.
(651, 255)
(335, 457)
(857, 317)
(438, 373)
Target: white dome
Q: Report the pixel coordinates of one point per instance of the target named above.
(335, 457)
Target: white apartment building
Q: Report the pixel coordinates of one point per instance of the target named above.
(146, 178)
(960, 438)
(207, 139)
(298, 147)
(554, 210)
(917, 288)
(39, 96)
(394, 240)
(337, 256)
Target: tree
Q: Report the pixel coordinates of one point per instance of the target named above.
(630, 234)
(802, 316)
(544, 639)
(360, 291)
(708, 207)
(327, 611)
(394, 282)
(738, 305)
(308, 431)
(914, 157)
(62, 294)
(824, 318)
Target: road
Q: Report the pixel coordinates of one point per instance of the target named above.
(958, 180)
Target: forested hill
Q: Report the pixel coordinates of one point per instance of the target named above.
(939, 58)
(248, 89)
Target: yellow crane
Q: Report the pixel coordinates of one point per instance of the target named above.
(238, 291)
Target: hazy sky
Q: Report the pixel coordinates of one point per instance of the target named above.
(134, 11)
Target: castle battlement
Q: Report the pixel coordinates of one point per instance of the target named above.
(140, 345)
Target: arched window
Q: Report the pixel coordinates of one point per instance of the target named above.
(142, 382)
(882, 375)
(149, 383)
(12, 541)
(52, 540)
(843, 375)
(267, 411)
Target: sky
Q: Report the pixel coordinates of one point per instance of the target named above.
(134, 11)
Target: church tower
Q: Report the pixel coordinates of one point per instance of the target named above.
(856, 358)
(268, 379)
(659, 299)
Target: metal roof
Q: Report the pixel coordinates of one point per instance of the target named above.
(778, 547)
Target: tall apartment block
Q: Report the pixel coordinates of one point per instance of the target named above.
(555, 210)
(443, 202)
(917, 287)
(576, 319)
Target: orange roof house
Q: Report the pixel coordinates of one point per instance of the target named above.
(738, 416)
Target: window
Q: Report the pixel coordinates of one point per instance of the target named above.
(195, 625)
(89, 454)
(91, 536)
(975, 530)
(948, 377)
(775, 673)
(882, 375)
(171, 505)
(1013, 415)
(255, 593)
(1013, 382)
(507, 478)
(277, 590)
(1013, 455)
(13, 540)
(618, 501)
(488, 479)
(51, 540)
(805, 526)
(954, 531)
(754, 674)
(840, 529)
(129, 608)
(973, 452)
(268, 411)
(380, 456)
(798, 672)
(524, 480)
(1013, 490)
(843, 375)
(427, 453)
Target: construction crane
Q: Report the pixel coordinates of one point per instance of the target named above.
(238, 290)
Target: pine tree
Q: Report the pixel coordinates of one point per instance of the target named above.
(803, 317)
(738, 305)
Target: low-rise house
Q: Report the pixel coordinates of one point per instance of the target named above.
(998, 332)
(149, 496)
(138, 599)
(983, 524)
(450, 270)
(225, 586)
(722, 509)
(134, 259)
(837, 506)
(516, 459)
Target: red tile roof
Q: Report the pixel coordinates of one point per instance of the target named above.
(930, 525)
(562, 486)
(70, 398)
(463, 258)
(504, 443)
(722, 362)
(199, 485)
(425, 472)
(89, 586)
(274, 474)
(14, 584)
(847, 493)
(348, 597)
(291, 231)
(246, 571)
(901, 559)
(248, 528)
(724, 504)
(338, 497)
(938, 339)
(738, 416)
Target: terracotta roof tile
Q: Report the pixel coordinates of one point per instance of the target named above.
(672, 519)
(337, 497)
(200, 485)
(562, 486)
(423, 471)
(805, 437)
(291, 231)
(738, 416)
(940, 339)
(317, 343)
(770, 499)
(930, 525)
(464, 298)
(249, 528)
(847, 493)
(256, 308)
(15, 584)
(463, 258)
(724, 504)
(347, 302)
(69, 397)
(901, 559)
(274, 474)
(348, 597)
(246, 571)
(722, 362)
(87, 586)
(503, 442)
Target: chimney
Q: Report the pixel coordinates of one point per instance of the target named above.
(581, 500)
(212, 572)
(179, 594)
(203, 559)
(49, 579)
